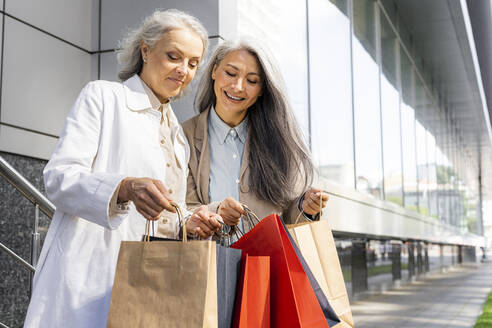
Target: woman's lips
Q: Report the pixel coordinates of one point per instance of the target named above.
(177, 81)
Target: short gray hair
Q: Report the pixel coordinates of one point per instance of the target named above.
(151, 31)
(278, 157)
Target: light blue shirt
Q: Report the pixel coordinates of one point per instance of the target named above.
(226, 146)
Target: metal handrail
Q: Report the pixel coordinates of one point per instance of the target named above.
(17, 257)
(26, 188)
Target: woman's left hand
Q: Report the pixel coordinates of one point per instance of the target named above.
(314, 201)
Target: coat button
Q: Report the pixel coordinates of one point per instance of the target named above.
(168, 165)
(162, 141)
(170, 191)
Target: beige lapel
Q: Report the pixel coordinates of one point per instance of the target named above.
(244, 197)
(244, 178)
(203, 155)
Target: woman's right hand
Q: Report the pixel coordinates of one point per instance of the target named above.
(231, 211)
(203, 223)
(149, 196)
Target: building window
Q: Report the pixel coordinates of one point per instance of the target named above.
(390, 111)
(331, 90)
(367, 118)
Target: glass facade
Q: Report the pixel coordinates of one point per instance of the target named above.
(366, 103)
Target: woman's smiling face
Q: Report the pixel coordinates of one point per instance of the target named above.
(238, 83)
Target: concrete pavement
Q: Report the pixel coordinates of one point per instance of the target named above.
(453, 299)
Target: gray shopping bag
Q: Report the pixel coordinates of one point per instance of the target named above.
(228, 270)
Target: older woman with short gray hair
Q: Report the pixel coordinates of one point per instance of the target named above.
(121, 160)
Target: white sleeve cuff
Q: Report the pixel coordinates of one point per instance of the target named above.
(116, 212)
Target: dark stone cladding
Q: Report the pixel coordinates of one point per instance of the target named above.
(16, 226)
(359, 267)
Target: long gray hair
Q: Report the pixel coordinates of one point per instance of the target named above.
(151, 31)
(278, 157)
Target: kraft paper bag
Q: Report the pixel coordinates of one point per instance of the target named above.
(315, 240)
(165, 284)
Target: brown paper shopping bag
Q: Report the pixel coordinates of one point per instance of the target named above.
(315, 240)
(165, 284)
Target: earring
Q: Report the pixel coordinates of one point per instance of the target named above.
(145, 60)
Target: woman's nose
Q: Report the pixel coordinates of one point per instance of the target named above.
(239, 84)
(181, 69)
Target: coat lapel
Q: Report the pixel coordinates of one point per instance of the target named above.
(136, 97)
(244, 187)
(203, 155)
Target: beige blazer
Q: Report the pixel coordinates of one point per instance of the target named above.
(196, 131)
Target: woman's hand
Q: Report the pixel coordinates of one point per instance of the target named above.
(149, 196)
(231, 211)
(314, 200)
(203, 222)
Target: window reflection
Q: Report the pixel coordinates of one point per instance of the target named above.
(431, 175)
(367, 119)
(390, 110)
(331, 106)
(439, 165)
(422, 188)
(408, 134)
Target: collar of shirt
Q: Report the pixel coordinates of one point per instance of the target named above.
(154, 101)
(156, 105)
(222, 129)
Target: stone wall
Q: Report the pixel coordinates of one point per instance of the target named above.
(16, 226)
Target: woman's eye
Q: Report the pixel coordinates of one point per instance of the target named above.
(193, 64)
(172, 56)
(230, 74)
(252, 82)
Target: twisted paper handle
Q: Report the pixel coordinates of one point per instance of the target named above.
(181, 221)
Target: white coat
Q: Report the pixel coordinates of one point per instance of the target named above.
(111, 132)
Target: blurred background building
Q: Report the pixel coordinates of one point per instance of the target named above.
(394, 98)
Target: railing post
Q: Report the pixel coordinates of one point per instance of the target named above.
(35, 243)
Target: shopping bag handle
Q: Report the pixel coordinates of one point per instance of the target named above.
(234, 230)
(320, 211)
(250, 215)
(181, 221)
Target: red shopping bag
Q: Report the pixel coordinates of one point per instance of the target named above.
(252, 308)
(293, 301)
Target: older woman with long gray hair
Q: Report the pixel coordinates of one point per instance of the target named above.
(246, 147)
(121, 159)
